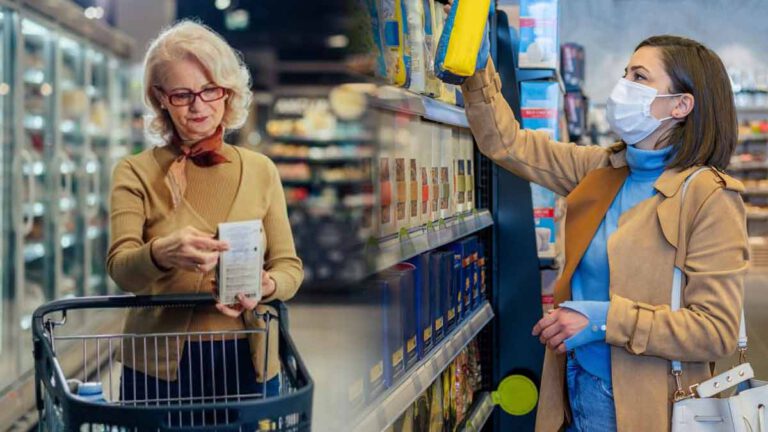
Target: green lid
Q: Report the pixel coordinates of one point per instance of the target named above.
(517, 395)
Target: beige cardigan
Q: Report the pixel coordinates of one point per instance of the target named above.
(643, 332)
(141, 211)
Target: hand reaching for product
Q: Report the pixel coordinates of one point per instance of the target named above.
(559, 325)
(188, 249)
(234, 311)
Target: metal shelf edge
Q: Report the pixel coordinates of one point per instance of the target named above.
(388, 407)
(398, 250)
(403, 101)
(481, 412)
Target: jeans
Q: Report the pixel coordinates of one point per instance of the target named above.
(591, 400)
(201, 378)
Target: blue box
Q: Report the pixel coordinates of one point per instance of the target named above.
(438, 297)
(539, 46)
(377, 377)
(463, 250)
(392, 331)
(455, 306)
(481, 273)
(423, 303)
(401, 277)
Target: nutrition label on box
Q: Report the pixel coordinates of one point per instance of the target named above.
(240, 267)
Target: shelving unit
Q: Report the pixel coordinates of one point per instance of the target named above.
(384, 410)
(483, 408)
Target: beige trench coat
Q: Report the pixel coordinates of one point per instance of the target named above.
(644, 334)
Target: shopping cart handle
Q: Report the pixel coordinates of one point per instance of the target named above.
(134, 301)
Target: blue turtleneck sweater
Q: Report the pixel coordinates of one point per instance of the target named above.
(591, 280)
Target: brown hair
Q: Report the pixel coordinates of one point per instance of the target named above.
(708, 136)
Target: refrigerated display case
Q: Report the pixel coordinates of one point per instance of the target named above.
(54, 111)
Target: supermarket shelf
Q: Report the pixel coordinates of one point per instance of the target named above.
(481, 412)
(291, 139)
(752, 110)
(540, 74)
(383, 411)
(396, 249)
(748, 166)
(316, 160)
(754, 215)
(313, 182)
(753, 137)
(33, 251)
(400, 100)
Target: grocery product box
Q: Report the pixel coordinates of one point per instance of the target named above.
(456, 311)
(576, 115)
(539, 109)
(437, 296)
(447, 203)
(572, 66)
(434, 172)
(403, 153)
(386, 173)
(397, 51)
(459, 170)
(433, 85)
(402, 277)
(469, 156)
(423, 303)
(394, 327)
(414, 10)
(424, 149)
(481, 269)
(374, 376)
(539, 44)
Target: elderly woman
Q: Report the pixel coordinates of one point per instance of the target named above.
(166, 205)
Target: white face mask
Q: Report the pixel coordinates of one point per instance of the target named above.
(629, 111)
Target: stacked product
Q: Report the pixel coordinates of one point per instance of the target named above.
(447, 403)
(421, 302)
(572, 64)
(426, 172)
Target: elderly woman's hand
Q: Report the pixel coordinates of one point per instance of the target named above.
(234, 311)
(188, 249)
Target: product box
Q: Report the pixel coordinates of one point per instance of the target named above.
(438, 297)
(433, 85)
(538, 47)
(434, 172)
(392, 13)
(376, 33)
(424, 150)
(448, 93)
(447, 203)
(459, 170)
(572, 66)
(401, 277)
(469, 156)
(423, 303)
(374, 376)
(393, 330)
(416, 41)
(387, 189)
(466, 249)
(457, 291)
(414, 182)
(447, 263)
(482, 269)
(576, 115)
(539, 108)
(403, 153)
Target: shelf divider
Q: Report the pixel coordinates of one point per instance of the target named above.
(481, 412)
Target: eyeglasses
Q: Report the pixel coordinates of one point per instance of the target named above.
(188, 98)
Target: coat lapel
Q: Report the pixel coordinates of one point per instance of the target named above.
(587, 206)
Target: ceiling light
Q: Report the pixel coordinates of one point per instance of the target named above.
(223, 4)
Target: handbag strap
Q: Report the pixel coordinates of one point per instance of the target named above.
(677, 283)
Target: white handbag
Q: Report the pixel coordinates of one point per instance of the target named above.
(697, 410)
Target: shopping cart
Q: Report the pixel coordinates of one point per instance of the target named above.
(95, 398)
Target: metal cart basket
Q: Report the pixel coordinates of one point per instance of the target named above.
(102, 395)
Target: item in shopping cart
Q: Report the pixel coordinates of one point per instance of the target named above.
(91, 392)
(423, 303)
(538, 47)
(240, 267)
(464, 45)
(416, 40)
